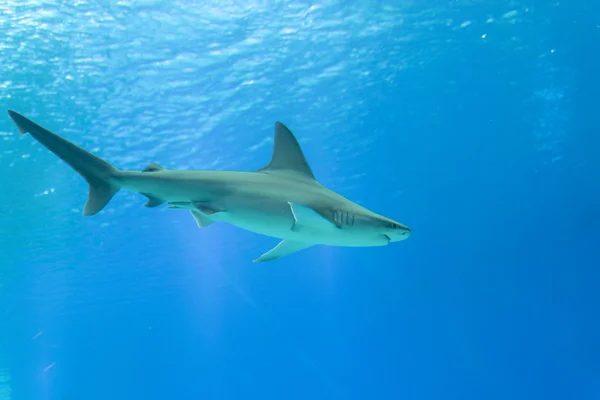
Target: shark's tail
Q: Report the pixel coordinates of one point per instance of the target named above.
(99, 174)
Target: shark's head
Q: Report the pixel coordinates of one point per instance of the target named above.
(380, 226)
(394, 231)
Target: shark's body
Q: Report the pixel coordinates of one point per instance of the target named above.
(282, 200)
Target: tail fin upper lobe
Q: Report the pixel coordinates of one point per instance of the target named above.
(98, 173)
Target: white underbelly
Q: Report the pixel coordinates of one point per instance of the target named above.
(280, 225)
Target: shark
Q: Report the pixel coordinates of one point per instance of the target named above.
(282, 200)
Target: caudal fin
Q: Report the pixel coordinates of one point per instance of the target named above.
(100, 194)
(99, 174)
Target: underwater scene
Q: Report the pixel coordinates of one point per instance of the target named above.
(299, 200)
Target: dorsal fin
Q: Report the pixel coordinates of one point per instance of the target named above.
(287, 154)
(153, 167)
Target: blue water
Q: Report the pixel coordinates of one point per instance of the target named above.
(476, 124)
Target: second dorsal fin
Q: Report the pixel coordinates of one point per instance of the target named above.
(287, 154)
(153, 167)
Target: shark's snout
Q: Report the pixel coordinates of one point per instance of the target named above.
(405, 232)
(398, 232)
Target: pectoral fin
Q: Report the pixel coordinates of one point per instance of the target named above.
(305, 218)
(284, 248)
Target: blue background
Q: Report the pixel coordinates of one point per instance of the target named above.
(475, 124)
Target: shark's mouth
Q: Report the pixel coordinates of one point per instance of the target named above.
(389, 239)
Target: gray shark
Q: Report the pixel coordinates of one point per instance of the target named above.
(281, 200)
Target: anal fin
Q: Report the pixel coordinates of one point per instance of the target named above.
(284, 248)
(152, 201)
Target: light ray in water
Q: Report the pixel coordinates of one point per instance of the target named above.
(214, 275)
(5, 385)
